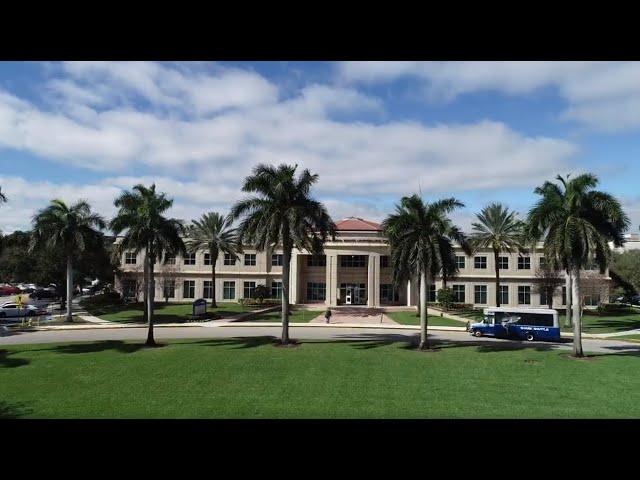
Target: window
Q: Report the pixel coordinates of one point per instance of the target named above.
(229, 290)
(458, 293)
(460, 261)
(316, 291)
(190, 259)
(504, 294)
(524, 263)
(189, 289)
(564, 295)
(384, 261)
(169, 289)
(544, 298)
(207, 289)
(250, 259)
(130, 258)
(276, 289)
(388, 294)
(207, 259)
(543, 262)
(316, 261)
(249, 287)
(170, 260)
(524, 295)
(591, 300)
(276, 260)
(229, 259)
(431, 295)
(129, 288)
(503, 263)
(353, 260)
(480, 262)
(480, 294)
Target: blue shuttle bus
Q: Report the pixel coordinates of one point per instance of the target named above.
(518, 323)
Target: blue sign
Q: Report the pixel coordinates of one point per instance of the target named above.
(199, 307)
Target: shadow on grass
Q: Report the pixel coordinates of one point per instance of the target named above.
(6, 361)
(98, 346)
(236, 342)
(12, 411)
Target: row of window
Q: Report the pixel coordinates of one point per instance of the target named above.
(190, 259)
(480, 294)
(480, 262)
(189, 289)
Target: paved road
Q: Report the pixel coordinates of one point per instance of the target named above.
(364, 334)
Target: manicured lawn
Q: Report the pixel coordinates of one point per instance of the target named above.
(607, 323)
(163, 312)
(250, 378)
(296, 316)
(630, 338)
(410, 318)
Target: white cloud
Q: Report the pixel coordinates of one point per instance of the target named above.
(594, 91)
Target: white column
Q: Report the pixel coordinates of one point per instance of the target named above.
(331, 279)
(408, 293)
(293, 279)
(371, 281)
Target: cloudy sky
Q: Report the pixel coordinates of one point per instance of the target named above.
(373, 131)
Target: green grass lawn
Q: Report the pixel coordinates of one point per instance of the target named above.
(630, 338)
(607, 323)
(250, 378)
(410, 318)
(163, 312)
(296, 316)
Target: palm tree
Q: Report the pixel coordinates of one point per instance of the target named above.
(3, 197)
(282, 213)
(500, 230)
(576, 222)
(213, 233)
(69, 229)
(420, 236)
(140, 216)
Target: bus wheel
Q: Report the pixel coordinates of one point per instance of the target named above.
(529, 337)
(477, 333)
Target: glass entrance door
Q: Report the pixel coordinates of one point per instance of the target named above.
(353, 293)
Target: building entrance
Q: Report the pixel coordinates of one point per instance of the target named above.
(353, 293)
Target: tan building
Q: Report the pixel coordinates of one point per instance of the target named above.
(355, 270)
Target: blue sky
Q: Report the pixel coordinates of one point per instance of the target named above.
(373, 131)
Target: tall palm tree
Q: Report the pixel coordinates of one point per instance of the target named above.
(420, 236)
(141, 217)
(213, 233)
(576, 222)
(500, 230)
(3, 197)
(68, 229)
(282, 213)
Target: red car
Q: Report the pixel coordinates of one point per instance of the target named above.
(9, 290)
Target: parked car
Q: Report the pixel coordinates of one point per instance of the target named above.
(9, 290)
(10, 309)
(633, 299)
(43, 293)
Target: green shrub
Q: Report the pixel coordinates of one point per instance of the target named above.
(445, 297)
(111, 298)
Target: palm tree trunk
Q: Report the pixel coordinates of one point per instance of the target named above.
(577, 321)
(214, 260)
(495, 257)
(69, 288)
(568, 287)
(150, 340)
(145, 295)
(286, 261)
(423, 311)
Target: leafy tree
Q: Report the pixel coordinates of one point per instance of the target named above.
(282, 213)
(500, 230)
(445, 297)
(626, 267)
(261, 292)
(547, 282)
(417, 232)
(576, 222)
(69, 230)
(141, 217)
(214, 234)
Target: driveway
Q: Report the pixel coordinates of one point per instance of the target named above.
(306, 333)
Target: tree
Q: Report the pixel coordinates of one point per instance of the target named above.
(141, 216)
(625, 270)
(282, 213)
(3, 197)
(418, 233)
(445, 297)
(547, 282)
(500, 230)
(594, 285)
(261, 292)
(576, 222)
(169, 276)
(70, 230)
(214, 234)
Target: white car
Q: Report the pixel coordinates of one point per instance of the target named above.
(10, 309)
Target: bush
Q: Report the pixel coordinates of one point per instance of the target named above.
(111, 298)
(445, 297)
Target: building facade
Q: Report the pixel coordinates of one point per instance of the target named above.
(354, 270)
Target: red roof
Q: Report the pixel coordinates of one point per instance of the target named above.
(358, 224)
